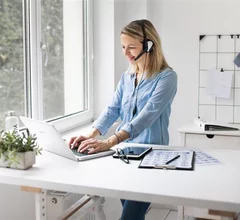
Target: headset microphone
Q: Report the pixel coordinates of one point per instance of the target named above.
(136, 58)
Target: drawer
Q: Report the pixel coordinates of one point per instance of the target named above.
(212, 141)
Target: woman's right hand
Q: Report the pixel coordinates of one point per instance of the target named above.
(76, 141)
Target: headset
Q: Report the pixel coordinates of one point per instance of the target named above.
(147, 44)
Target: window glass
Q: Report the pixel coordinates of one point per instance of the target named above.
(62, 58)
(11, 59)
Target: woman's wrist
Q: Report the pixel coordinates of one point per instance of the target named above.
(112, 141)
(117, 138)
(122, 135)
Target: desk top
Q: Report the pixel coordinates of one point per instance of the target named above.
(215, 186)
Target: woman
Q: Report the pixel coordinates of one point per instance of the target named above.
(142, 100)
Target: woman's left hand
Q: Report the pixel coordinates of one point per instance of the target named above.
(94, 145)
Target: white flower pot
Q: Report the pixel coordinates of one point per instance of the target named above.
(25, 161)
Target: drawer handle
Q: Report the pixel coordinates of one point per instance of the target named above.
(210, 136)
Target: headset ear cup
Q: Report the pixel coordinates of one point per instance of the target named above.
(149, 46)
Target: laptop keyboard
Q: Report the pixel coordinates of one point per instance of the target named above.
(74, 150)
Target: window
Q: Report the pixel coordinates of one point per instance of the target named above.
(45, 60)
(11, 58)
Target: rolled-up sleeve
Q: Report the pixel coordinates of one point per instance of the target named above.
(161, 98)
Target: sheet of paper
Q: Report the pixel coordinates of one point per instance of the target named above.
(219, 83)
(160, 157)
(202, 158)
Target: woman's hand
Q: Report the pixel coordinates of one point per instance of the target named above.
(94, 145)
(76, 141)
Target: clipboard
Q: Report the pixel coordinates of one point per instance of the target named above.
(169, 159)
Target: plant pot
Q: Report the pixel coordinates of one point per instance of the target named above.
(25, 161)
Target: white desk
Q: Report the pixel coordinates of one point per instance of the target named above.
(215, 187)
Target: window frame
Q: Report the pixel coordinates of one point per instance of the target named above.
(33, 67)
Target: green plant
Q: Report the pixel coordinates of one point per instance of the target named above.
(12, 142)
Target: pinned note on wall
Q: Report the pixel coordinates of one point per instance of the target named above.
(219, 83)
(216, 100)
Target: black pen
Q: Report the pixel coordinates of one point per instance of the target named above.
(169, 161)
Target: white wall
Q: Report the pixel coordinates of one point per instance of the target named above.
(179, 23)
(103, 30)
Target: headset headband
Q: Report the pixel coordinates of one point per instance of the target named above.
(141, 24)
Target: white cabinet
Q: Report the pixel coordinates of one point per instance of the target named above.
(192, 136)
(212, 141)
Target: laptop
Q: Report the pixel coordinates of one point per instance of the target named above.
(50, 140)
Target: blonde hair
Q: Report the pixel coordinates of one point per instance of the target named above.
(155, 58)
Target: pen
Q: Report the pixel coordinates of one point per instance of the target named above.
(171, 160)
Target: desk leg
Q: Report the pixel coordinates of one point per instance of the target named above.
(40, 205)
(99, 214)
(180, 212)
(40, 201)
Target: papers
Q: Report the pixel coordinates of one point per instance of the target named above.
(160, 158)
(202, 158)
(219, 83)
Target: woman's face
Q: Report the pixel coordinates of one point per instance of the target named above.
(131, 47)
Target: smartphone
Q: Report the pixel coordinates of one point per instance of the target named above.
(133, 152)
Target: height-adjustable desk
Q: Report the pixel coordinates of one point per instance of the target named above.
(215, 187)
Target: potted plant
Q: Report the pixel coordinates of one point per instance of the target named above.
(18, 150)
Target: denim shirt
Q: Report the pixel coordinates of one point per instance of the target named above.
(151, 98)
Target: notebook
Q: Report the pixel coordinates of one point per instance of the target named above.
(50, 140)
